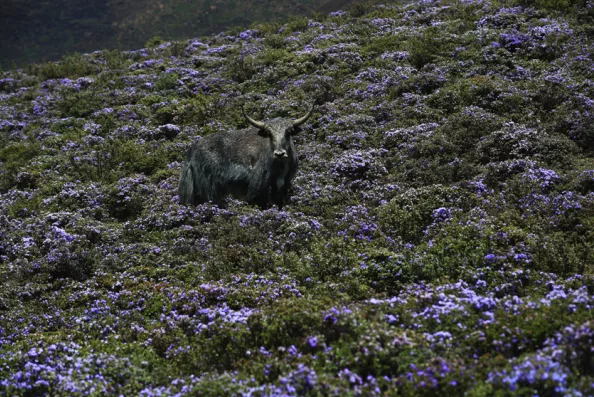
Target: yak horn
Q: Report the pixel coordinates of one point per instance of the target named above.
(304, 118)
(257, 124)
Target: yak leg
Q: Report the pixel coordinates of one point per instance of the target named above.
(285, 193)
(257, 196)
(187, 186)
(279, 192)
(274, 196)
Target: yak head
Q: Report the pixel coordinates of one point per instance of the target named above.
(279, 131)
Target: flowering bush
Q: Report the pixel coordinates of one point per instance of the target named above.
(439, 239)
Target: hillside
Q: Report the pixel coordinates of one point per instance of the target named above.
(38, 30)
(440, 238)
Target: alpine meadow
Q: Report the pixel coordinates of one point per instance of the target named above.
(438, 240)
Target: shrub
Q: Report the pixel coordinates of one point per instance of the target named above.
(408, 215)
(426, 48)
(154, 42)
(241, 68)
(167, 81)
(552, 5)
(14, 158)
(73, 65)
(80, 104)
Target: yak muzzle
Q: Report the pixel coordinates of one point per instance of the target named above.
(280, 154)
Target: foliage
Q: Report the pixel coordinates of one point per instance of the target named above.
(73, 65)
(439, 238)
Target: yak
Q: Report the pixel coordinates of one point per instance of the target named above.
(256, 164)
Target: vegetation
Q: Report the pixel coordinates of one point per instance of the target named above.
(34, 31)
(439, 241)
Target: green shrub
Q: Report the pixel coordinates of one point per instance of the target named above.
(360, 8)
(167, 81)
(296, 24)
(478, 91)
(165, 114)
(241, 68)
(136, 158)
(124, 208)
(107, 122)
(465, 128)
(151, 99)
(77, 264)
(446, 99)
(386, 271)
(275, 41)
(556, 151)
(154, 42)
(223, 350)
(381, 44)
(239, 249)
(25, 206)
(575, 121)
(456, 248)
(195, 111)
(13, 158)
(120, 158)
(177, 48)
(273, 56)
(73, 65)
(267, 28)
(426, 48)
(80, 104)
(407, 215)
(290, 322)
(552, 5)
(565, 252)
(115, 59)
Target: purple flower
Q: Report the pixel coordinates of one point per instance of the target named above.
(293, 350)
(61, 233)
(521, 257)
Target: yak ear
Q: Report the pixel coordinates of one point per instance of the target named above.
(263, 132)
(295, 130)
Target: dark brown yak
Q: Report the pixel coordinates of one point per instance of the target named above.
(256, 164)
